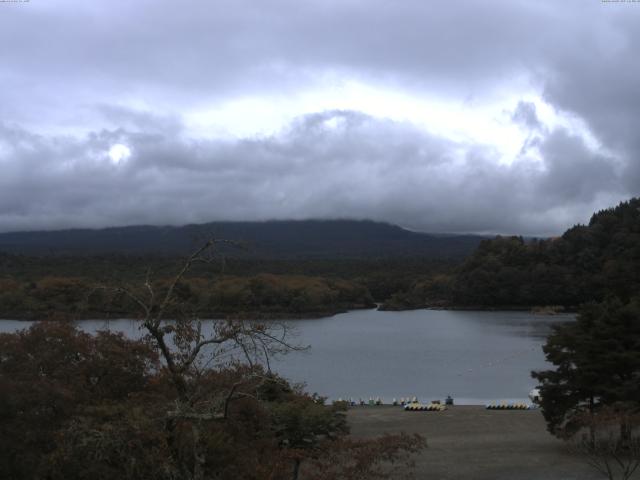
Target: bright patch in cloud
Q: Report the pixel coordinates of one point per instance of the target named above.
(485, 122)
(119, 153)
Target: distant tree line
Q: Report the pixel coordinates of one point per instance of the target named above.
(42, 287)
(261, 296)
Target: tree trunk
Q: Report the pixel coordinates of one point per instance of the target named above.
(592, 426)
(296, 468)
(198, 454)
(625, 435)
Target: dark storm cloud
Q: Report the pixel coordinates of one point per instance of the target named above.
(160, 50)
(335, 164)
(225, 45)
(599, 83)
(124, 72)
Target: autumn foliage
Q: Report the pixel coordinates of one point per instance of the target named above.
(177, 404)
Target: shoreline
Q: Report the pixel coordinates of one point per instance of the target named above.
(242, 315)
(272, 316)
(534, 309)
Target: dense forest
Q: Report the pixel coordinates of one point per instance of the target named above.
(53, 286)
(259, 296)
(587, 263)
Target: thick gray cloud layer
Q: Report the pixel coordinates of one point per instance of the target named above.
(332, 164)
(104, 73)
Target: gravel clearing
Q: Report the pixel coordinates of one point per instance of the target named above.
(470, 442)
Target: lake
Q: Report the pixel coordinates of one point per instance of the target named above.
(476, 357)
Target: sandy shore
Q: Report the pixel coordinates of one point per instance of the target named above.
(469, 442)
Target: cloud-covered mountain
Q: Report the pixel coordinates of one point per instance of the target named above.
(493, 116)
(276, 239)
(338, 163)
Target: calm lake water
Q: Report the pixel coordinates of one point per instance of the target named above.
(476, 357)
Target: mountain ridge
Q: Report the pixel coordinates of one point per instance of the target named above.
(268, 239)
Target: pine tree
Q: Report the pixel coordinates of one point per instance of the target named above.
(597, 363)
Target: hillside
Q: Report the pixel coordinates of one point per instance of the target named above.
(587, 263)
(273, 239)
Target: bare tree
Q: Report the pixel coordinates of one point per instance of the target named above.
(610, 441)
(191, 348)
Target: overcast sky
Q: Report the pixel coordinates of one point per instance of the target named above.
(442, 116)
